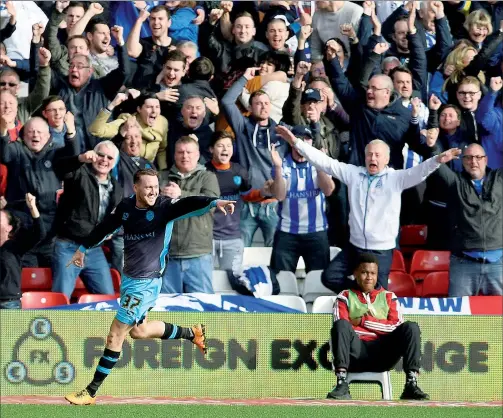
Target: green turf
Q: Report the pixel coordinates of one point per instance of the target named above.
(209, 411)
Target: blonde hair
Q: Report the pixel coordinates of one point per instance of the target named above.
(455, 58)
(480, 18)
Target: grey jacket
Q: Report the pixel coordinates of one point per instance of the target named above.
(192, 237)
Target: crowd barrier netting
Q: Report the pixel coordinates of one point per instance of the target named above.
(251, 355)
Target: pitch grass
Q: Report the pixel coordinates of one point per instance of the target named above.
(221, 411)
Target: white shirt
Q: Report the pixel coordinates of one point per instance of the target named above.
(27, 14)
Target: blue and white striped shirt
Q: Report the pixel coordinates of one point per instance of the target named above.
(303, 210)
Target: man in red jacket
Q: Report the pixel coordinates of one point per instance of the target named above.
(370, 335)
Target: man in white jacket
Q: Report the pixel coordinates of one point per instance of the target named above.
(374, 193)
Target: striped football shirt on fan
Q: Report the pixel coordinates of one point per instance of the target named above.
(303, 210)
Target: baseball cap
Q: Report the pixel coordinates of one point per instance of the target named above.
(310, 95)
(303, 132)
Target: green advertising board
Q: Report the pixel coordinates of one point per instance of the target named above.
(250, 356)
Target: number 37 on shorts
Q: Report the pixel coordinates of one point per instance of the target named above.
(130, 302)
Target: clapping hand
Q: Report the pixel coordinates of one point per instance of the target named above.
(226, 206)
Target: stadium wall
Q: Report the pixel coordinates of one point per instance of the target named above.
(250, 356)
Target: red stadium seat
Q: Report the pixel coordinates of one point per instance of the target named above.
(36, 279)
(413, 235)
(424, 262)
(401, 284)
(398, 263)
(116, 279)
(41, 300)
(412, 238)
(87, 298)
(107, 252)
(436, 285)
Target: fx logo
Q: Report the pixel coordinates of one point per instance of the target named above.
(40, 357)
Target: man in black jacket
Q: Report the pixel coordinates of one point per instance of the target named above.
(475, 202)
(90, 194)
(30, 170)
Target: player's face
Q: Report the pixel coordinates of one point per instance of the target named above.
(222, 151)
(147, 190)
(366, 276)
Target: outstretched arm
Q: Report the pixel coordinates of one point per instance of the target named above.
(194, 206)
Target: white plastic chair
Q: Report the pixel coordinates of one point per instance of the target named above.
(257, 256)
(383, 379)
(221, 283)
(324, 304)
(313, 287)
(287, 283)
(294, 302)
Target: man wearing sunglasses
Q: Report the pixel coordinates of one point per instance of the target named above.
(474, 201)
(90, 194)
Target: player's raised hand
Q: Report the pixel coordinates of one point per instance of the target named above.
(77, 259)
(449, 155)
(226, 206)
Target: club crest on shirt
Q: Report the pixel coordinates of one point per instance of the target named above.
(237, 180)
(149, 215)
(125, 215)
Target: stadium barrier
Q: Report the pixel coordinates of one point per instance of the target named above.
(251, 355)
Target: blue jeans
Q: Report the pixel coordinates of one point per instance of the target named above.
(335, 277)
(259, 215)
(188, 275)
(95, 274)
(228, 255)
(10, 304)
(471, 278)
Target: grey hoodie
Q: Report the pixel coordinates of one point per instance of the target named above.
(192, 237)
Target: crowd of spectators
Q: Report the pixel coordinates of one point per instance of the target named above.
(207, 92)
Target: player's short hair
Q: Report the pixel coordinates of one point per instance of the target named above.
(366, 258)
(218, 135)
(144, 172)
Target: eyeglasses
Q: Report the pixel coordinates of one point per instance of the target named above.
(468, 93)
(8, 83)
(102, 155)
(473, 157)
(374, 89)
(78, 67)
